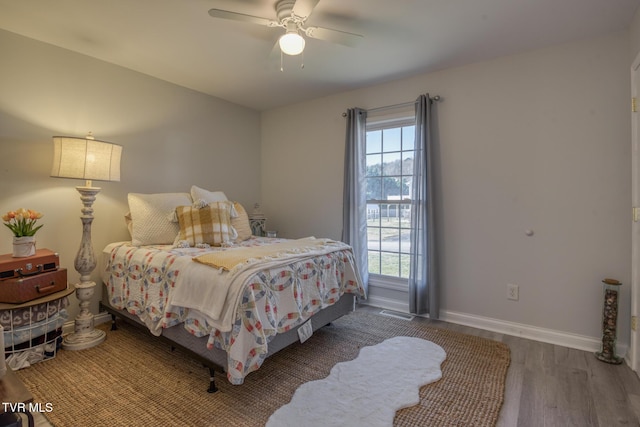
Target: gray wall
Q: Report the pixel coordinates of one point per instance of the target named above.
(172, 137)
(539, 140)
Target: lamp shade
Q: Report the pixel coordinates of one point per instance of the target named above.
(85, 158)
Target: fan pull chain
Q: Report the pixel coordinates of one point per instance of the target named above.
(282, 61)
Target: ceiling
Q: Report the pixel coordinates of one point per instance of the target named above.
(177, 40)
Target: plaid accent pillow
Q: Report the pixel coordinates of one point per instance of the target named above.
(209, 224)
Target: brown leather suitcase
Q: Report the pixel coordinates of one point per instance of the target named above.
(43, 260)
(23, 289)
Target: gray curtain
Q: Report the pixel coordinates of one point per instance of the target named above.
(354, 218)
(423, 282)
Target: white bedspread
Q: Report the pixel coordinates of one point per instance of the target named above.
(204, 288)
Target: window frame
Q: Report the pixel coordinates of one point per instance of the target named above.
(391, 121)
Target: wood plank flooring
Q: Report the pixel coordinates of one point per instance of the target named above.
(550, 385)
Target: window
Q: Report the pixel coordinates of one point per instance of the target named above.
(390, 152)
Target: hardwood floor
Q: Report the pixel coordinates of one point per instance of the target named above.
(550, 385)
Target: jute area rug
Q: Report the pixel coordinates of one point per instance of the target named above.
(133, 379)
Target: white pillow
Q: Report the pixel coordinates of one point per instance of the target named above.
(198, 193)
(151, 217)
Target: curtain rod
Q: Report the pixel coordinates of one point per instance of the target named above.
(404, 104)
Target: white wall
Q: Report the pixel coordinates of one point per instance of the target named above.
(538, 141)
(172, 137)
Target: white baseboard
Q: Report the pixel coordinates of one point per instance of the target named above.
(551, 336)
(98, 319)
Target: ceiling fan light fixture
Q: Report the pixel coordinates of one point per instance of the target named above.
(292, 43)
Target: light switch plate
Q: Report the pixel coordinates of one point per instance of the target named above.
(305, 331)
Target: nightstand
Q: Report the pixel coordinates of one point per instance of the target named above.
(39, 327)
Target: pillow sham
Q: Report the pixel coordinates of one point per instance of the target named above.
(129, 223)
(210, 224)
(241, 223)
(150, 217)
(198, 193)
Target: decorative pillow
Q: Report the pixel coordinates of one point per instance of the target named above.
(241, 222)
(129, 222)
(198, 193)
(210, 224)
(150, 217)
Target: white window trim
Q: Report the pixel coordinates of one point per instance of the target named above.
(388, 282)
(386, 121)
(383, 123)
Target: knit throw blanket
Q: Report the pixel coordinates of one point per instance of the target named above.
(230, 259)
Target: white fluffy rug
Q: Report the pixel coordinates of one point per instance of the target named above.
(368, 390)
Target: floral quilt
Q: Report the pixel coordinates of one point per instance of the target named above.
(144, 279)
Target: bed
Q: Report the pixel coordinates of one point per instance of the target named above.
(231, 300)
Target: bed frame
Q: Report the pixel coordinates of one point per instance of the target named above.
(216, 358)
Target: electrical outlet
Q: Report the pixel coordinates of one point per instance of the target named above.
(634, 323)
(512, 292)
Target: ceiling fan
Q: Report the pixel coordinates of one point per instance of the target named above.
(292, 15)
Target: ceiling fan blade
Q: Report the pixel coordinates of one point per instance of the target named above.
(225, 14)
(334, 36)
(303, 8)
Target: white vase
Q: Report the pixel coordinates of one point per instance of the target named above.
(24, 246)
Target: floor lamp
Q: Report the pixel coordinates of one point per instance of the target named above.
(88, 159)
